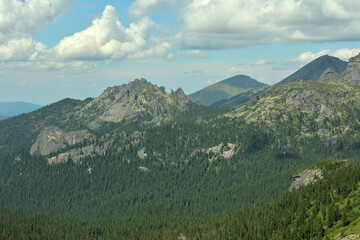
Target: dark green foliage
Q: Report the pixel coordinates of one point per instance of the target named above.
(294, 215)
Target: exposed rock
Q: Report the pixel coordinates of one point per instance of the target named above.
(304, 178)
(219, 150)
(137, 98)
(141, 153)
(352, 71)
(52, 139)
(329, 75)
(144, 169)
(215, 149)
(229, 153)
(61, 158)
(349, 237)
(80, 153)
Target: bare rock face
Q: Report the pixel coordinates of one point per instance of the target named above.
(52, 139)
(329, 75)
(220, 150)
(141, 153)
(304, 178)
(79, 153)
(135, 98)
(352, 71)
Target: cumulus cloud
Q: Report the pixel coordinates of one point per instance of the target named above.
(343, 54)
(141, 8)
(236, 23)
(19, 18)
(19, 49)
(105, 38)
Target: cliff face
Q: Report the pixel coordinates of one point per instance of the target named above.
(352, 72)
(53, 139)
(304, 178)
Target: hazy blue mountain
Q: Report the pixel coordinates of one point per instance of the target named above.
(2, 117)
(226, 89)
(10, 109)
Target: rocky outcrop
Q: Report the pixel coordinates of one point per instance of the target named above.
(79, 153)
(329, 75)
(352, 71)
(141, 153)
(53, 139)
(220, 150)
(136, 98)
(305, 177)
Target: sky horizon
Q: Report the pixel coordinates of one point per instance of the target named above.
(55, 49)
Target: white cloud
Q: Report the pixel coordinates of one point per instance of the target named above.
(343, 54)
(196, 53)
(141, 8)
(19, 49)
(309, 56)
(19, 18)
(268, 72)
(105, 38)
(260, 62)
(346, 53)
(237, 23)
(162, 49)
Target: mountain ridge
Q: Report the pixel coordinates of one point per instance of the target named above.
(10, 109)
(310, 72)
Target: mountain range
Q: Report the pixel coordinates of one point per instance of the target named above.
(310, 72)
(140, 163)
(10, 109)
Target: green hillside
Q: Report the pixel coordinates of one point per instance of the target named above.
(225, 89)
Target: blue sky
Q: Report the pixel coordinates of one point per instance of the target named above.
(53, 49)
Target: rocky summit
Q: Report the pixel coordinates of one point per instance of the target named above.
(137, 98)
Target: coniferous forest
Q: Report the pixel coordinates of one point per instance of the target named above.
(140, 163)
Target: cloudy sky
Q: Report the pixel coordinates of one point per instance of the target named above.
(53, 49)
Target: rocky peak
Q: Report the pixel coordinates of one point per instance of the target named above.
(133, 99)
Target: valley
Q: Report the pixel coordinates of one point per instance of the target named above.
(138, 162)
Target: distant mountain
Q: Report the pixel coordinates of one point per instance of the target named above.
(10, 109)
(225, 89)
(310, 72)
(313, 70)
(2, 117)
